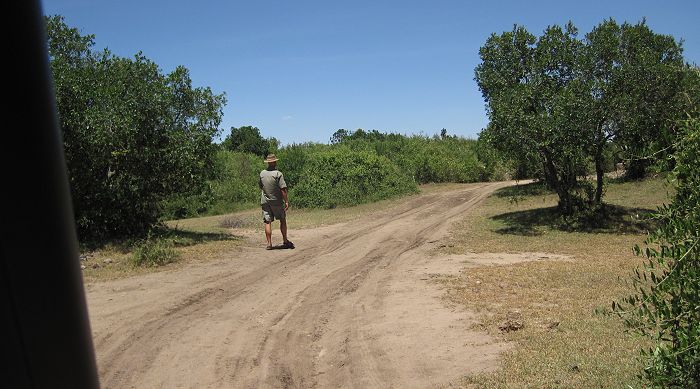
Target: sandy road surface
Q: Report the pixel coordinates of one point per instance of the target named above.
(352, 306)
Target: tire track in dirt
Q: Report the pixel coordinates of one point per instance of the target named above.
(177, 317)
(301, 318)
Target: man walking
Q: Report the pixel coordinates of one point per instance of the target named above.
(273, 201)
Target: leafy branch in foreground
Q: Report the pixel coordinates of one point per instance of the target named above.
(665, 305)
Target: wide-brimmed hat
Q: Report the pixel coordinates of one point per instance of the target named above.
(271, 158)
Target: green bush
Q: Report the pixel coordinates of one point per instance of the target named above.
(340, 176)
(154, 252)
(133, 136)
(356, 168)
(425, 159)
(293, 160)
(665, 305)
(247, 139)
(236, 182)
(181, 206)
(495, 166)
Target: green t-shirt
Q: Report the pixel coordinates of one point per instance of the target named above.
(271, 183)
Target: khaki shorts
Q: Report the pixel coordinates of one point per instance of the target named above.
(271, 212)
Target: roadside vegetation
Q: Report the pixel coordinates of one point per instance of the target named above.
(133, 136)
(210, 238)
(665, 303)
(355, 167)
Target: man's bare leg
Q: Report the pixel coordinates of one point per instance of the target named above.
(268, 233)
(283, 230)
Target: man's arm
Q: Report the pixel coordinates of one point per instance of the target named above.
(284, 197)
(283, 188)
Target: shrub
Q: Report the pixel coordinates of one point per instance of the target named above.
(247, 139)
(665, 305)
(341, 176)
(356, 168)
(236, 182)
(133, 136)
(181, 206)
(154, 252)
(293, 159)
(447, 159)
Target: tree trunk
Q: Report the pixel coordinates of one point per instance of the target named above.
(599, 175)
(557, 183)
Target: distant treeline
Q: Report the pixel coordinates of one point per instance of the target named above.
(354, 167)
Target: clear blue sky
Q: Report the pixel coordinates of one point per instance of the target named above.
(299, 70)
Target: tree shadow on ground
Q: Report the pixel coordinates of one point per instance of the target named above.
(611, 219)
(536, 188)
(182, 237)
(179, 238)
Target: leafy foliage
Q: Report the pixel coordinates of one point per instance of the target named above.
(341, 176)
(636, 81)
(355, 167)
(425, 159)
(237, 180)
(133, 136)
(234, 185)
(339, 136)
(247, 139)
(363, 166)
(558, 102)
(533, 94)
(666, 302)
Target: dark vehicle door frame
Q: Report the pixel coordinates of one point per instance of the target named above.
(46, 340)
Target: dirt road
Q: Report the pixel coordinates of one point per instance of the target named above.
(352, 306)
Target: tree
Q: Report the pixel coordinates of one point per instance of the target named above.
(132, 135)
(247, 139)
(565, 102)
(339, 136)
(636, 80)
(532, 90)
(517, 165)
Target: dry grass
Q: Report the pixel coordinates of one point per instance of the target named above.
(115, 261)
(563, 343)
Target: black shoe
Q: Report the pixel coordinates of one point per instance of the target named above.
(288, 244)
